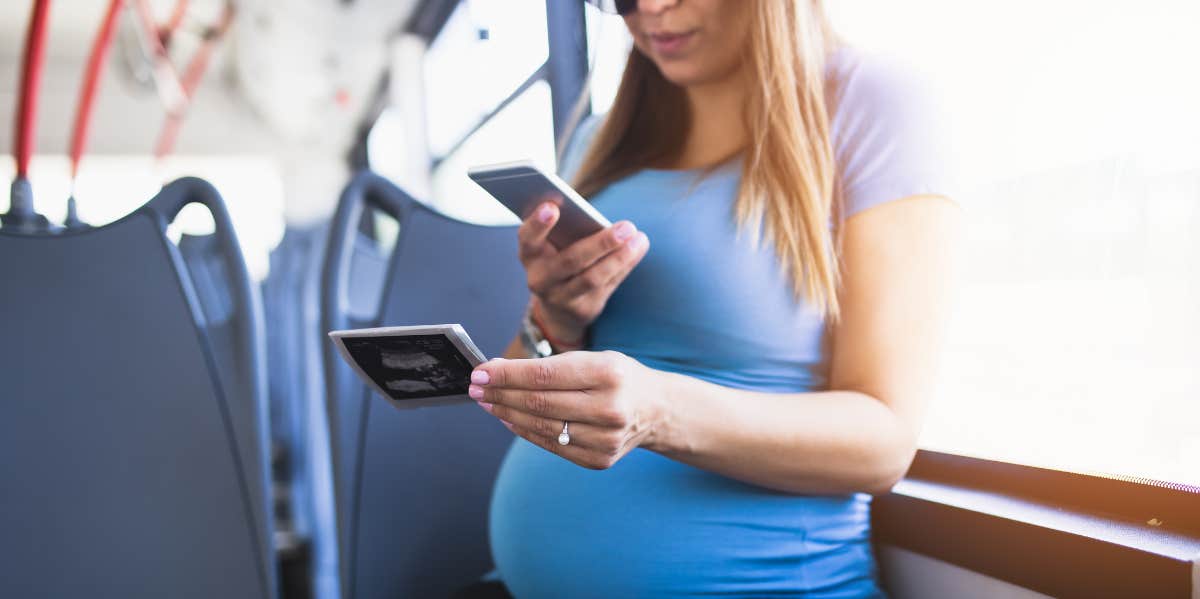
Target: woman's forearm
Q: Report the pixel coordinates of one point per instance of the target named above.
(818, 442)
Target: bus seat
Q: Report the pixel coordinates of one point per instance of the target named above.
(299, 424)
(412, 487)
(130, 444)
(238, 344)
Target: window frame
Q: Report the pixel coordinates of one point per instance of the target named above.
(565, 69)
(1061, 533)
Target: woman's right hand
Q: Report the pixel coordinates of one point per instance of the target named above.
(570, 286)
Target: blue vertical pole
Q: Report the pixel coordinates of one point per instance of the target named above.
(568, 62)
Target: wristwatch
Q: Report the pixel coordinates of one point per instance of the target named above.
(535, 342)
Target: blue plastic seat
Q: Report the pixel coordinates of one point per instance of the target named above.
(132, 437)
(299, 424)
(412, 487)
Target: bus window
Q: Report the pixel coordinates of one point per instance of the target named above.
(608, 47)
(485, 51)
(109, 187)
(1074, 342)
(522, 129)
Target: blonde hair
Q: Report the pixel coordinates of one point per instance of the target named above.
(788, 179)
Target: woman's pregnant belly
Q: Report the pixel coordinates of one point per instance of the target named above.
(654, 527)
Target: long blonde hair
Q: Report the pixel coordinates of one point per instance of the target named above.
(788, 179)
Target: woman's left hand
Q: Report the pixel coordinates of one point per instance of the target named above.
(610, 400)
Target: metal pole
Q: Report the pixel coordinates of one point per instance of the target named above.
(568, 62)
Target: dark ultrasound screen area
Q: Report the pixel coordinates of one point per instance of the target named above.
(412, 366)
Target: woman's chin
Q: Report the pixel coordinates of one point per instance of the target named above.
(688, 73)
(682, 75)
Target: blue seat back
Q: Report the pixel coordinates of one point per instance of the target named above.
(235, 331)
(412, 487)
(299, 423)
(131, 430)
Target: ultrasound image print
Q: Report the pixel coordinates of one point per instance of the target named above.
(412, 366)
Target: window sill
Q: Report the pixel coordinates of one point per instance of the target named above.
(1059, 533)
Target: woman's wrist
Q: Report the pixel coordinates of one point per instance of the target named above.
(666, 436)
(562, 338)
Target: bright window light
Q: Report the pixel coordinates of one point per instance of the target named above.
(485, 51)
(1074, 344)
(110, 187)
(522, 131)
(608, 48)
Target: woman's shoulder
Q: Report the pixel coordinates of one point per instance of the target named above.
(863, 79)
(888, 135)
(876, 93)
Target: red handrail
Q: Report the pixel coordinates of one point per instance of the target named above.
(91, 82)
(164, 72)
(31, 77)
(176, 20)
(192, 75)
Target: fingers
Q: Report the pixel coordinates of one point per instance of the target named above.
(560, 265)
(533, 398)
(604, 440)
(571, 371)
(582, 254)
(574, 406)
(579, 454)
(531, 235)
(609, 271)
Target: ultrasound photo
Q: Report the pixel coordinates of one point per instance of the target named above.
(412, 366)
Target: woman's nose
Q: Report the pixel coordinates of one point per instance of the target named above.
(655, 6)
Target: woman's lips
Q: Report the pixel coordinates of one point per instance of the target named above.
(670, 43)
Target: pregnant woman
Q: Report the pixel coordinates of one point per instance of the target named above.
(746, 355)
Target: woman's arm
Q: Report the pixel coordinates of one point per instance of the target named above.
(898, 259)
(860, 436)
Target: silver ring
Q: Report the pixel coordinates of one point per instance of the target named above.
(565, 436)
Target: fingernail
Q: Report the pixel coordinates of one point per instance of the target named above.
(475, 392)
(480, 377)
(507, 423)
(623, 231)
(545, 213)
(639, 242)
(487, 407)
